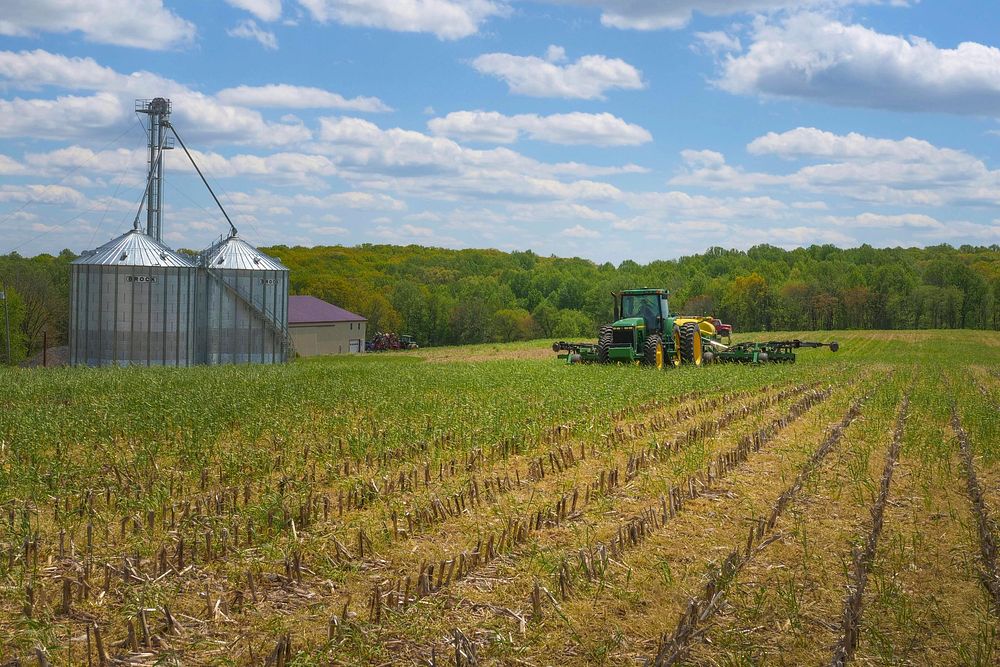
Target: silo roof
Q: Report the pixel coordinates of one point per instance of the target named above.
(134, 248)
(233, 252)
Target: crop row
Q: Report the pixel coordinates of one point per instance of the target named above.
(674, 646)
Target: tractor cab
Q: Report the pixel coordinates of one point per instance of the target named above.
(650, 306)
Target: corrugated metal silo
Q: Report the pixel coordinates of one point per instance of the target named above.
(132, 303)
(243, 305)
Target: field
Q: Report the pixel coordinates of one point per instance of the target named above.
(490, 505)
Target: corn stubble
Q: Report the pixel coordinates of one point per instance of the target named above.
(389, 511)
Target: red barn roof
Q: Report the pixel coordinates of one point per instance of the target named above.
(310, 310)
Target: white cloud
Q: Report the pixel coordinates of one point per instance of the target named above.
(329, 230)
(678, 204)
(675, 14)
(364, 200)
(47, 119)
(682, 229)
(541, 213)
(285, 167)
(718, 42)
(708, 169)
(31, 70)
(904, 172)
(802, 235)
(601, 129)
(263, 202)
(73, 157)
(703, 158)
(814, 57)
(21, 216)
(368, 157)
(580, 232)
(884, 221)
(248, 29)
(198, 116)
(144, 24)
(298, 168)
(447, 19)
(10, 167)
(918, 226)
(588, 78)
(297, 97)
(265, 10)
(414, 234)
(42, 194)
(555, 54)
(413, 230)
(815, 143)
(439, 167)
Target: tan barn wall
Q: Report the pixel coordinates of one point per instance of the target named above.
(329, 338)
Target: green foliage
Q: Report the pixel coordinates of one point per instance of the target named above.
(474, 296)
(41, 286)
(13, 309)
(515, 324)
(571, 323)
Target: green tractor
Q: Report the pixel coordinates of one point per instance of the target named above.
(644, 332)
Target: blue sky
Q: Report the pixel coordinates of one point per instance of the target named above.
(608, 129)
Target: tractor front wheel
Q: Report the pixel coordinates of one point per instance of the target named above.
(653, 353)
(690, 339)
(603, 344)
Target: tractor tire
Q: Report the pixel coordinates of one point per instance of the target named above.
(653, 354)
(691, 348)
(603, 344)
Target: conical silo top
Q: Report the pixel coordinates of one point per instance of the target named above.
(232, 252)
(134, 248)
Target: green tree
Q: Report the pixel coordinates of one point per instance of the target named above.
(515, 324)
(18, 340)
(573, 323)
(545, 315)
(748, 302)
(410, 301)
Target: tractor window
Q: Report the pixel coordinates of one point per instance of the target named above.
(646, 306)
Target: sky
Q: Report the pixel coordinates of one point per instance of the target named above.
(605, 129)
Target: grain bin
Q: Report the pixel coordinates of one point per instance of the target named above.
(132, 303)
(243, 305)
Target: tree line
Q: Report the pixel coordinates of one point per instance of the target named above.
(471, 296)
(444, 296)
(37, 292)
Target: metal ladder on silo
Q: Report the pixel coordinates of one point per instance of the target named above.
(269, 318)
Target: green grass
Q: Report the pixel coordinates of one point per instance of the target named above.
(151, 438)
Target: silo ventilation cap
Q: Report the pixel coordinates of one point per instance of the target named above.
(123, 257)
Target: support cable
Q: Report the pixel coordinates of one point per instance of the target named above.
(62, 180)
(203, 179)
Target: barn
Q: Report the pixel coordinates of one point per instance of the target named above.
(318, 327)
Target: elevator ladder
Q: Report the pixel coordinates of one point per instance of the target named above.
(270, 320)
